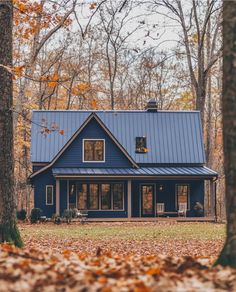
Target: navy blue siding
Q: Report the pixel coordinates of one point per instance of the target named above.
(40, 183)
(72, 157)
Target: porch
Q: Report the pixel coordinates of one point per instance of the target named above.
(110, 199)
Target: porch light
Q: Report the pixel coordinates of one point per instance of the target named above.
(161, 187)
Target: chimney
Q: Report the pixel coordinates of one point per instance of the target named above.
(151, 106)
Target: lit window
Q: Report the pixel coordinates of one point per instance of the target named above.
(49, 195)
(182, 194)
(141, 145)
(94, 151)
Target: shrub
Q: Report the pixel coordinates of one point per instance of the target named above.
(56, 218)
(68, 215)
(35, 215)
(21, 214)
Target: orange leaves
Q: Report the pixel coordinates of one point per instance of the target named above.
(78, 89)
(53, 80)
(61, 132)
(18, 70)
(93, 6)
(94, 104)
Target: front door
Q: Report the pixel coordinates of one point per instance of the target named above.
(147, 201)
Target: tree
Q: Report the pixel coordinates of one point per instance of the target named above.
(8, 228)
(228, 254)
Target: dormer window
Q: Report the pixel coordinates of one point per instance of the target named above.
(93, 150)
(141, 145)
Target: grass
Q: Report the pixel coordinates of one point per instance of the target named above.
(127, 231)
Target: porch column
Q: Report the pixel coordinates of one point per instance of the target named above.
(212, 198)
(129, 199)
(57, 196)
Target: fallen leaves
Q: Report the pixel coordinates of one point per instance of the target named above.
(34, 270)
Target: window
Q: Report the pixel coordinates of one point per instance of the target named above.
(105, 196)
(93, 197)
(82, 196)
(182, 194)
(141, 144)
(118, 196)
(49, 195)
(72, 194)
(94, 151)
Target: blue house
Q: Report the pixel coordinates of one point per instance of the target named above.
(121, 164)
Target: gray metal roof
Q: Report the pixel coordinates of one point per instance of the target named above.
(201, 171)
(172, 136)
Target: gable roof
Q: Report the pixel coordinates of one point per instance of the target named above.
(74, 136)
(173, 137)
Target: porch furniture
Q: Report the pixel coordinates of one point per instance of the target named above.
(160, 209)
(182, 209)
(82, 215)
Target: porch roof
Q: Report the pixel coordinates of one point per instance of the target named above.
(201, 171)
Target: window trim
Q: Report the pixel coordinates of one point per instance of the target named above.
(176, 195)
(104, 151)
(51, 186)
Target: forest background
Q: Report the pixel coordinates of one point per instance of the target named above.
(86, 55)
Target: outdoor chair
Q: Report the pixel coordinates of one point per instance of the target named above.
(82, 215)
(182, 209)
(160, 209)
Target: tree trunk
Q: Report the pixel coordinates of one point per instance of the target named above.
(8, 228)
(228, 254)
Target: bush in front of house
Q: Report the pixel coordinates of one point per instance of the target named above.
(198, 209)
(35, 215)
(56, 219)
(21, 214)
(68, 215)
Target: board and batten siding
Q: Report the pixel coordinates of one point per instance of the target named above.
(72, 157)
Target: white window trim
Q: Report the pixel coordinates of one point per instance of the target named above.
(176, 202)
(51, 186)
(104, 151)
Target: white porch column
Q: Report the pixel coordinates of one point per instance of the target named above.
(129, 207)
(57, 196)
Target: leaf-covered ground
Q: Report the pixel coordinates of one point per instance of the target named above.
(137, 257)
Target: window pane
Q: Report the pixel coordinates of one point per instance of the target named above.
(182, 194)
(49, 195)
(141, 144)
(82, 196)
(118, 196)
(106, 196)
(93, 196)
(147, 200)
(94, 150)
(88, 151)
(98, 150)
(72, 195)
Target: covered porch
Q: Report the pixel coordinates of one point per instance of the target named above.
(134, 194)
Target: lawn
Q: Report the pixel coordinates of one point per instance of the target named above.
(181, 239)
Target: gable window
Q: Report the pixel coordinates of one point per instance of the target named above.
(49, 195)
(182, 195)
(141, 145)
(94, 150)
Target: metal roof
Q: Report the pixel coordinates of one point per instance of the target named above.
(172, 136)
(143, 171)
